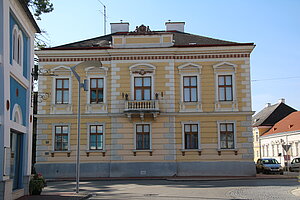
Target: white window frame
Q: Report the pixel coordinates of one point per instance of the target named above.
(190, 69)
(104, 90)
(88, 136)
(234, 134)
(16, 34)
(150, 136)
(53, 136)
(231, 70)
(183, 138)
(151, 72)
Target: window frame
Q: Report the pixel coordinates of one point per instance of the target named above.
(135, 137)
(61, 89)
(17, 46)
(225, 88)
(142, 88)
(183, 145)
(234, 135)
(103, 137)
(54, 137)
(190, 87)
(97, 90)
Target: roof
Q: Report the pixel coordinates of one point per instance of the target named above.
(271, 114)
(29, 15)
(287, 124)
(181, 40)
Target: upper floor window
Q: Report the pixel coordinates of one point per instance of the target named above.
(97, 90)
(190, 88)
(226, 136)
(225, 87)
(62, 91)
(96, 137)
(143, 136)
(61, 140)
(17, 48)
(191, 136)
(142, 88)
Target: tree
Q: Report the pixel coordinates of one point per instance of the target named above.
(39, 7)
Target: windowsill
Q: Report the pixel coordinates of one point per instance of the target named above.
(95, 151)
(185, 106)
(190, 150)
(96, 107)
(67, 151)
(227, 149)
(142, 150)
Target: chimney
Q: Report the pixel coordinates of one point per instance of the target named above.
(119, 27)
(282, 100)
(175, 26)
(267, 105)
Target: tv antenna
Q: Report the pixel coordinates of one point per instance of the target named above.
(104, 16)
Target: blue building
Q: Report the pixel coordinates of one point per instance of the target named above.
(17, 30)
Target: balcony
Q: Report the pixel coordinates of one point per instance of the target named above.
(141, 108)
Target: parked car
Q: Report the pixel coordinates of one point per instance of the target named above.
(268, 165)
(295, 165)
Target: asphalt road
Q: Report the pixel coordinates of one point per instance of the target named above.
(257, 189)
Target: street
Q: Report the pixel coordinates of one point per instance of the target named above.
(258, 189)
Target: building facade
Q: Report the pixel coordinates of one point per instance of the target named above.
(282, 141)
(164, 103)
(17, 28)
(264, 120)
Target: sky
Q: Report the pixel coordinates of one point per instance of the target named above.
(273, 25)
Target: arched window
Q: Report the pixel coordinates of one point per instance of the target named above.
(17, 46)
(19, 50)
(17, 114)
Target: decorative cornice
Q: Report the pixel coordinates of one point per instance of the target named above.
(78, 59)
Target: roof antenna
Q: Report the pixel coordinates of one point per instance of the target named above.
(104, 16)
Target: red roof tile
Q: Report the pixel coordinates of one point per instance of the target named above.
(287, 124)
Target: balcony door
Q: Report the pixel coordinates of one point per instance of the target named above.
(142, 88)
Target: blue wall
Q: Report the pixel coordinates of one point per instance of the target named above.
(21, 99)
(26, 45)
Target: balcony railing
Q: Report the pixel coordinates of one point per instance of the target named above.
(141, 105)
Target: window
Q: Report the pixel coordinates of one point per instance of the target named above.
(256, 137)
(97, 88)
(297, 148)
(191, 136)
(190, 88)
(273, 150)
(225, 87)
(61, 138)
(143, 136)
(227, 136)
(96, 137)
(142, 88)
(62, 91)
(17, 48)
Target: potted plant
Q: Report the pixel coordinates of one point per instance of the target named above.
(36, 184)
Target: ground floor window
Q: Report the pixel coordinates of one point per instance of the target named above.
(96, 137)
(226, 135)
(191, 136)
(61, 138)
(143, 136)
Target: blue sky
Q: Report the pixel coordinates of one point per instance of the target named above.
(273, 25)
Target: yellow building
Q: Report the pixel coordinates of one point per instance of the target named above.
(163, 103)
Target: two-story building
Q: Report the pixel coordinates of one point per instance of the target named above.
(17, 30)
(163, 103)
(264, 120)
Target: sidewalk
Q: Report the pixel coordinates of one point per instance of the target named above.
(67, 194)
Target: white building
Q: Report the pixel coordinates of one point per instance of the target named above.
(284, 134)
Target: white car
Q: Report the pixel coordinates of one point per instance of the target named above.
(295, 165)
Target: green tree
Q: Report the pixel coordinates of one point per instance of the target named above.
(39, 7)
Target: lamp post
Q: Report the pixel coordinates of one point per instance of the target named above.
(80, 85)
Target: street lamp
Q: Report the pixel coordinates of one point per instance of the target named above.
(80, 85)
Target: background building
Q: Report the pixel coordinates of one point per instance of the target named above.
(264, 120)
(284, 134)
(17, 28)
(163, 103)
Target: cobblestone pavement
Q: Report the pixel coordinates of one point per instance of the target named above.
(256, 189)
